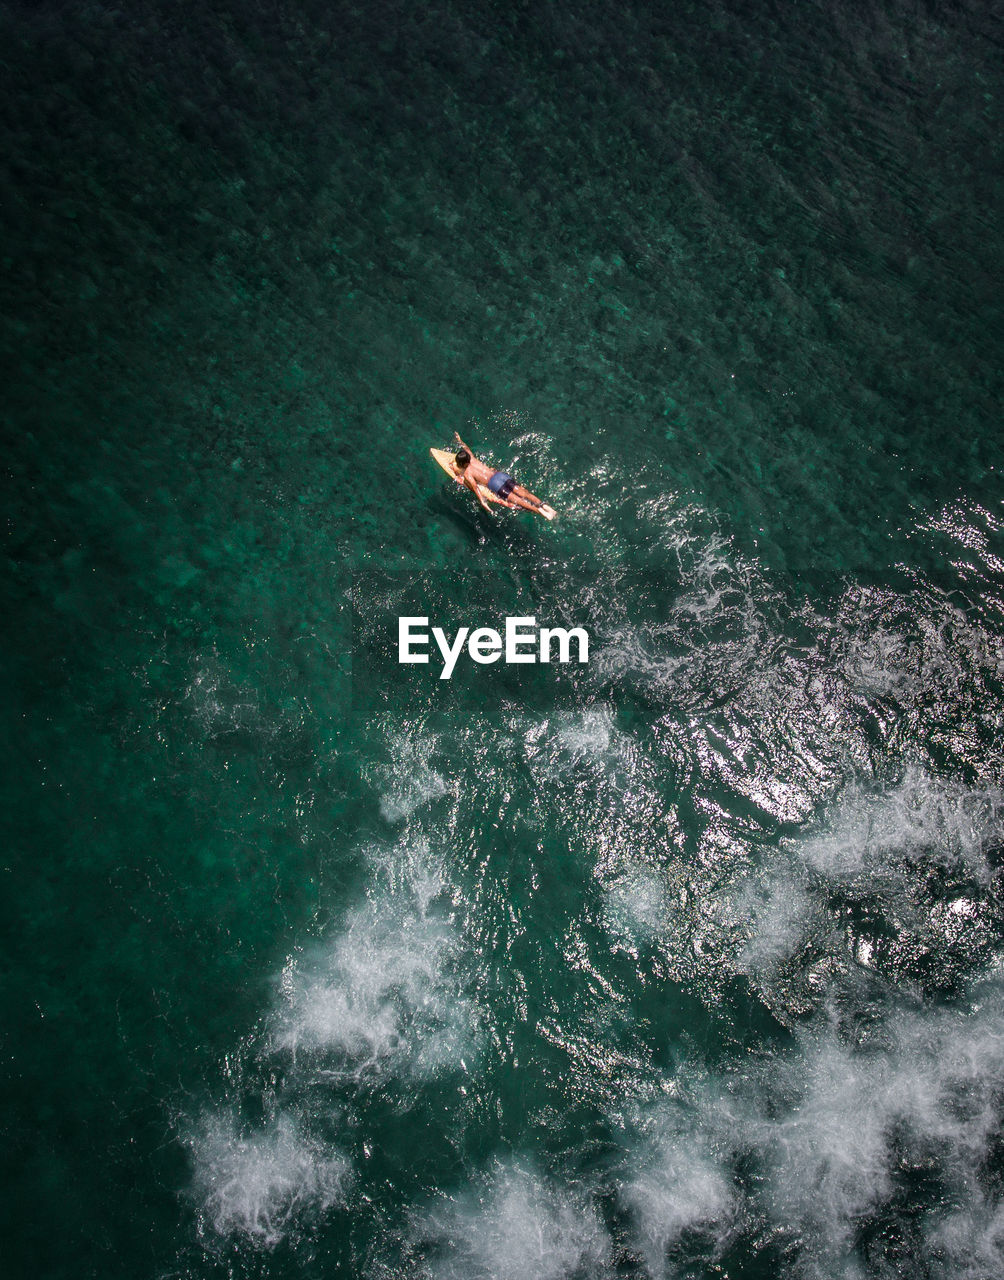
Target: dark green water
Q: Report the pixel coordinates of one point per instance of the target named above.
(684, 962)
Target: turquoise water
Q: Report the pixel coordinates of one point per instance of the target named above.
(682, 962)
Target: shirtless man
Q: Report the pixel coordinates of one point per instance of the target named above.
(502, 488)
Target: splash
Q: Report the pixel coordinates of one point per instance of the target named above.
(385, 994)
(252, 1183)
(819, 1147)
(408, 781)
(381, 1001)
(679, 1185)
(515, 1224)
(899, 880)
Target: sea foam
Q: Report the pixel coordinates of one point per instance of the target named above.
(252, 1182)
(408, 781)
(385, 994)
(899, 880)
(679, 1184)
(636, 907)
(382, 998)
(831, 1133)
(515, 1224)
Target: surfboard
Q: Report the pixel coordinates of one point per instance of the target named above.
(445, 460)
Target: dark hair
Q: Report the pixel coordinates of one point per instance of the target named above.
(462, 458)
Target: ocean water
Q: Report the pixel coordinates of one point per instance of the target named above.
(683, 962)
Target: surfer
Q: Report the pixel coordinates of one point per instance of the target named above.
(502, 488)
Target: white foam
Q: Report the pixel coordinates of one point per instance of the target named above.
(930, 1097)
(780, 912)
(828, 1154)
(832, 1126)
(517, 1225)
(587, 735)
(877, 885)
(581, 739)
(253, 1183)
(920, 818)
(636, 907)
(385, 994)
(409, 781)
(683, 1186)
(969, 1243)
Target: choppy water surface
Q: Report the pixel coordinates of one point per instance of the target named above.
(685, 962)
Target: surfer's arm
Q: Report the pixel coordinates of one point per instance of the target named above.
(473, 486)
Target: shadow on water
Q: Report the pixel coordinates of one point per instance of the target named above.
(477, 527)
